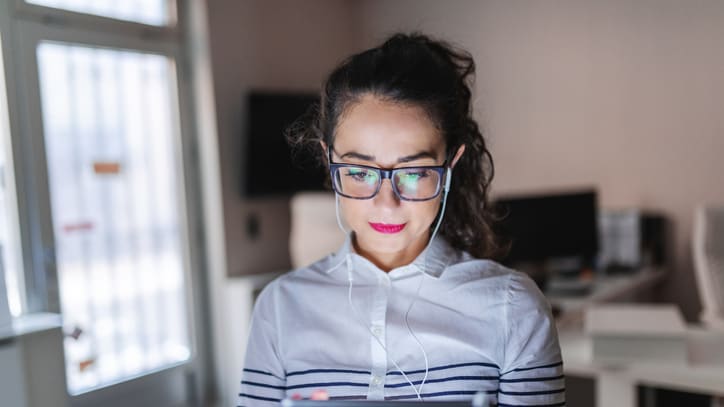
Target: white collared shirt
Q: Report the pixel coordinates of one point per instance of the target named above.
(483, 327)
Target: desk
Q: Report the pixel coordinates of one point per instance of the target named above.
(616, 383)
(605, 288)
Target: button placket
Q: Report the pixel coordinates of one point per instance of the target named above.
(377, 336)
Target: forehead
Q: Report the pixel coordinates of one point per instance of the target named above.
(387, 130)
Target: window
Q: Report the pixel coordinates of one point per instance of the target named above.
(109, 139)
(152, 12)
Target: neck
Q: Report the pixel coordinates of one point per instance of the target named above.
(387, 261)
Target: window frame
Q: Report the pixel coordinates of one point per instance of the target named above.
(29, 11)
(10, 189)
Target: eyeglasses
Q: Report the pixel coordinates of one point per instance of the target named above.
(358, 181)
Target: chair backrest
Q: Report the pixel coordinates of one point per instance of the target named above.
(708, 241)
(315, 232)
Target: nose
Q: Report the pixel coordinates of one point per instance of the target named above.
(386, 195)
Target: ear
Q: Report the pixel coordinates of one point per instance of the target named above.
(458, 154)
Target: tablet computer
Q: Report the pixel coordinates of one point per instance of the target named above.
(479, 400)
(373, 403)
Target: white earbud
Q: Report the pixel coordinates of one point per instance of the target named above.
(448, 178)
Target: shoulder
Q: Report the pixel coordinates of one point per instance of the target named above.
(521, 284)
(514, 287)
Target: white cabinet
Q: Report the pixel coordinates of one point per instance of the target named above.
(12, 385)
(32, 369)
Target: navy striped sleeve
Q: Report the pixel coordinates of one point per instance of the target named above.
(260, 388)
(263, 382)
(532, 372)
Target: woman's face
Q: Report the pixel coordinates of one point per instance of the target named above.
(389, 135)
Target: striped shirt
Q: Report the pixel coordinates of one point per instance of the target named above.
(340, 325)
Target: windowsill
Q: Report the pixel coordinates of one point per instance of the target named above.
(30, 324)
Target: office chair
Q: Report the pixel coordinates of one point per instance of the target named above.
(708, 242)
(314, 232)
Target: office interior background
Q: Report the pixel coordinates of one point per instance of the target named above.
(125, 142)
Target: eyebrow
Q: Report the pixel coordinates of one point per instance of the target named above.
(405, 159)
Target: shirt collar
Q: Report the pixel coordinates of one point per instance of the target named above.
(432, 261)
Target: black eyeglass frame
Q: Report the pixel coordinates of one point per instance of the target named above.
(386, 174)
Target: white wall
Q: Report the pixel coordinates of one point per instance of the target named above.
(622, 95)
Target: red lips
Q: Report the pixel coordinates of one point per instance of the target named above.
(387, 228)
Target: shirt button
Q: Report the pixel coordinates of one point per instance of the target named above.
(377, 331)
(376, 380)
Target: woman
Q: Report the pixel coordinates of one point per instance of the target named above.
(411, 306)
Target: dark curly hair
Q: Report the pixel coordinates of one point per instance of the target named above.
(417, 70)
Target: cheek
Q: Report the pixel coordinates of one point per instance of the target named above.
(354, 211)
(424, 212)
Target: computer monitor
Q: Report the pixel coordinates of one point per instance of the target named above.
(270, 169)
(549, 226)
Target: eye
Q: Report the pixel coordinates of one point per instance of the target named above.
(414, 174)
(413, 178)
(361, 175)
